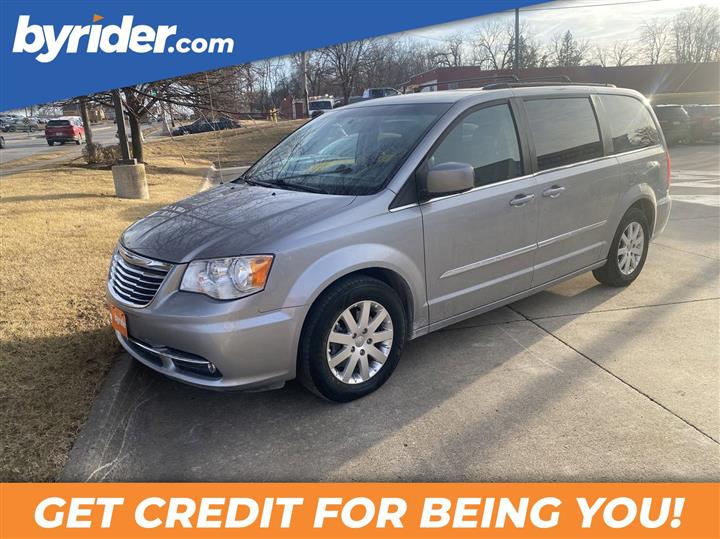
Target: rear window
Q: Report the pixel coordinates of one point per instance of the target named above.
(58, 123)
(320, 105)
(631, 125)
(565, 131)
(671, 113)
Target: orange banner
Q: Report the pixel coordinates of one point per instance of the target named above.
(571, 510)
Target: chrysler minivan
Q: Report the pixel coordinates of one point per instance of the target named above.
(383, 221)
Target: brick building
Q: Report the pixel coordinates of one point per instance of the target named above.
(664, 83)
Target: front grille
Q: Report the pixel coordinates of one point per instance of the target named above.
(135, 279)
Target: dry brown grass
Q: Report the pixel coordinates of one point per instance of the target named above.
(58, 227)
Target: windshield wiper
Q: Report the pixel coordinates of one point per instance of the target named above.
(256, 182)
(298, 186)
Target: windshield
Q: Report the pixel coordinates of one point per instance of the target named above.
(320, 105)
(58, 123)
(348, 152)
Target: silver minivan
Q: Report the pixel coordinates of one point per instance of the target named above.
(382, 221)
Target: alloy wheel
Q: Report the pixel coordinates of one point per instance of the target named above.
(360, 342)
(630, 248)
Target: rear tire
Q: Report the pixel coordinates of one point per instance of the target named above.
(628, 250)
(327, 338)
(51, 142)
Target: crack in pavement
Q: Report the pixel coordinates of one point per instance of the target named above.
(618, 377)
(527, 318)
(616, 309)
(684, 251)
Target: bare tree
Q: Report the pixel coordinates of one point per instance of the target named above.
(451, 52)
(532, 53)
(696, 35)
(347, 61)
(601, 55)
(654, 37)
(492, 45)
(566, 51)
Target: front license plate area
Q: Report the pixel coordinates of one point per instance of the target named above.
(118, 321)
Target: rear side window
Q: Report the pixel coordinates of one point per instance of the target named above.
(485, 139)
(631, 125)
(565, 131)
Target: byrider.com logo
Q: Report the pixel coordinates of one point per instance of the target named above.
(93, 38)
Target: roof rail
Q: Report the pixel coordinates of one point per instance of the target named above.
(523, 84)
(490, 78)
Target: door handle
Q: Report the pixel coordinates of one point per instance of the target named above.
(521, 200)
(553, 192)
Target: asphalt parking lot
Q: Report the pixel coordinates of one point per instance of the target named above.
(580, 383)
(23, 144)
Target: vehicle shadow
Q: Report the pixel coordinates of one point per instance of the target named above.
(48, 197)
(49, 383)
(479, 402)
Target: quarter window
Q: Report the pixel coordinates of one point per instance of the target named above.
(565, 131)
(486, 140)
(631, 125)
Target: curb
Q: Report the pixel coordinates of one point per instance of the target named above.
(109, 416)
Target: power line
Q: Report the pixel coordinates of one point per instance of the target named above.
(589, 5)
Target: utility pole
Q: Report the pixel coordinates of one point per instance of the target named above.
(517, 40)
(122, 134)
(305, 79)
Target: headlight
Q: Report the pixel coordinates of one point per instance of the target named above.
(227, 278)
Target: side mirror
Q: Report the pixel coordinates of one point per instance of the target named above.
(449, 178)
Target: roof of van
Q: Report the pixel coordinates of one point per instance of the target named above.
(454, 96)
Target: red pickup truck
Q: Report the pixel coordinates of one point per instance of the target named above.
(65, 129)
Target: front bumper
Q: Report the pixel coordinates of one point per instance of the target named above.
(251, 350)
(63, 138)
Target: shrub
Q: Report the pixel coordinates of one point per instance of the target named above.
(97, 154)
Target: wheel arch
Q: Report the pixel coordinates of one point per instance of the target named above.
(640, 196)
(386, 275)
(647, 206)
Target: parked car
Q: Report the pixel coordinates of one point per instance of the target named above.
(704, 122)
(204, 125)
(65, 129)
(675, 123)
(320, 105)
(322, 264)
(20, 124)
(374, 93)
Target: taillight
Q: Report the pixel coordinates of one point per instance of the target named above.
(669, 175)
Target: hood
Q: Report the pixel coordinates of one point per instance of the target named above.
(230, 220)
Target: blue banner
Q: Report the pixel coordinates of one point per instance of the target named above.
(57, 50)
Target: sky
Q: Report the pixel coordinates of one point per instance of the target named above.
(602, 22)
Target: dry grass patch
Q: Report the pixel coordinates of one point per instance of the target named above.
(58, 228)
(232, 147)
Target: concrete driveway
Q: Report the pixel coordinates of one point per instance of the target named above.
(580, 382)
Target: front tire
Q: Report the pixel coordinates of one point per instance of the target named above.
(628, 250)
(352, 339)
